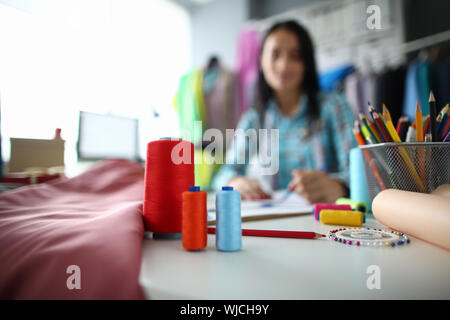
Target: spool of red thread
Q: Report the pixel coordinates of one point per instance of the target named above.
(169, 171)
(194, 225)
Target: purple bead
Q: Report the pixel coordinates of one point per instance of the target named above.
(358, 243)
(350, 243)
(344, 241)
(335, 239)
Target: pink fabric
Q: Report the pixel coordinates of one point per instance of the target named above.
(249, 44)
(93, 221)
(219, 104)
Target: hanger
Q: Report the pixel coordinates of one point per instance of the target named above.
(423, 55)
(213, 62)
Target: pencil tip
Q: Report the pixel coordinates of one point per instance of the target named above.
(418, 106)
(432, 99)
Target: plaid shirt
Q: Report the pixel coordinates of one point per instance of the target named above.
(324, 144)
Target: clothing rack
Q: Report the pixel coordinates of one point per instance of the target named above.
(397, 54)
(362, 46)
(421, 43)
(424, 42)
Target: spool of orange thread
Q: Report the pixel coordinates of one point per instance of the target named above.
(169, 171)
(194, 224)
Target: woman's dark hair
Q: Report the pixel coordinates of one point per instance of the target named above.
(310, 84)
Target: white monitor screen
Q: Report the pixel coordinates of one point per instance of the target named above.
(107, 136)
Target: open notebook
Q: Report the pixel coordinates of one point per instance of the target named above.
(273, 208)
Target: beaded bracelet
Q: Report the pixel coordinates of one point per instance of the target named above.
(369, 237)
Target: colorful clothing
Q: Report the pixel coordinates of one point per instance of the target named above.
(302, 146)
(190, 105)
(248, 48)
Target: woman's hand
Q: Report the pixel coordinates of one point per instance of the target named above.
(316, 186)
(249, 188)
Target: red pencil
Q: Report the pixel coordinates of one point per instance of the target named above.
(426, 128)
(447, 126)
(380, 125)
(275, 233)
(399, 125)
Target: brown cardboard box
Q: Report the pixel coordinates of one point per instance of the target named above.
(28, 153)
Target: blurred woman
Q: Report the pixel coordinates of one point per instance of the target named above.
(315, 128)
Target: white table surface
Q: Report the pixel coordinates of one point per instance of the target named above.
(275, 268)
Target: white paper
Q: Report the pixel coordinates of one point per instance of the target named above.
(277, 205)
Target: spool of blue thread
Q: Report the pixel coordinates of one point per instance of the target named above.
(228, 220)
(359, 190)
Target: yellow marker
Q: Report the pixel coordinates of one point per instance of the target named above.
(356, 205)
(341, 217)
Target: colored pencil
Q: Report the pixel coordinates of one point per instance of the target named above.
(411, 134)
(366, 154)
(386, 111)
(390, 128)
(370, 128)
(420, 137)
(447, 137)
(371, 111)
(398, 127)
(442, 125)
(377, 125)
(438, 123)
(404, 154)
(426, 127)
(404, 128)
(441, 120)
(444, 110)
(419, 123)
(366, 134)
(432, 103)
(357, 133)
(276, 233)
(380, 125)
(447, 126)
(373, 129)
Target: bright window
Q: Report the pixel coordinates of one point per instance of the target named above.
(123, 57)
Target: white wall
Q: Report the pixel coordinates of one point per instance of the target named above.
(215, 28)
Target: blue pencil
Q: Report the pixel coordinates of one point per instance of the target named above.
(442, 124)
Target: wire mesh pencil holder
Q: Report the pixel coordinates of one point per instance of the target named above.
(417, 167)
